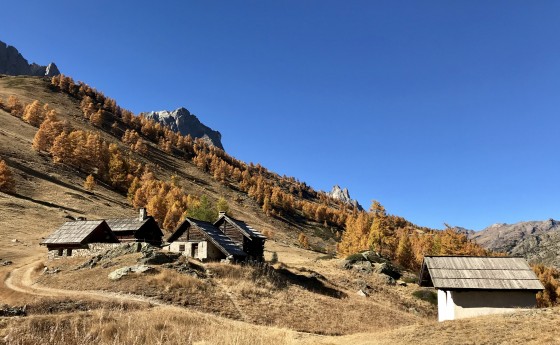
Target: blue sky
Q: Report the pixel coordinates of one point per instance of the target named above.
(444, 111)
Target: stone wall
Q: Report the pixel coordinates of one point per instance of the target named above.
(92, 249)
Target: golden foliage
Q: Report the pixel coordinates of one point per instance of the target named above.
(89, 183)
(550, 278)
(400, 240)
(7, 182)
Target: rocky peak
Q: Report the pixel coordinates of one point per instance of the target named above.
(13, 63)
(182, 121)
(344, 196)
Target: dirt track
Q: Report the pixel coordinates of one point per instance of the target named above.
(20, 280)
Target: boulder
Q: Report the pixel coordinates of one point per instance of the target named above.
(364, 267)
(123, 271)
(361, 293)
(158, 258)
(387, 269)
(387, 279)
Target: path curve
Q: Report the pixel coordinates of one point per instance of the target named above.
(20, 280)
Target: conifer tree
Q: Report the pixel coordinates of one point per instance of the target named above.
(15, 106)
(404, 254)
(7, 182)
(379, 228)
(202, 210)
(222, 205)
(89, 183)
(33, 114)
(266, 206)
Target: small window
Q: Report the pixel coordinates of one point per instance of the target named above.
(68, 252)
(181, 247)
(60, 252)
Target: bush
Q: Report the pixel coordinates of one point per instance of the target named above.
(274, 258)
(356, 257)
(426, 295)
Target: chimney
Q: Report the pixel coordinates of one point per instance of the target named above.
(143, 214)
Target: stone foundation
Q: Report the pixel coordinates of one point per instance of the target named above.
(92, 249)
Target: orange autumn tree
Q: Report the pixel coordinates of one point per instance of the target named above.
(399, 240)
(7, 182)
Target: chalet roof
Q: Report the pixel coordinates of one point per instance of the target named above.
(126, 224)
(487, 273)
(130, 224)
(213, 234)
(242, 226)
(75, 232)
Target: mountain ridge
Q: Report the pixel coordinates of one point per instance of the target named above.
(537, 241)
(183, 121)
(13, 63)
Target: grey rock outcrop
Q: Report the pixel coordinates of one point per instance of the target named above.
(182, 121)
(344, 196)
(537, 241)
(13, 63)
(123, 271)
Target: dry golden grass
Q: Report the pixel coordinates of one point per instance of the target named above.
(297, 299)
(538, 327)
(154, 326)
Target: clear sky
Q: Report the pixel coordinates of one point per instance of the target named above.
(444, 111)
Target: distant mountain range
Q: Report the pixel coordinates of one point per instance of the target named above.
(13, 63)
(537, 241)
(182, 121)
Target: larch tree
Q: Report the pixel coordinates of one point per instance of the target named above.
(379, 227)
(355, 236)
(404, 254)
(15, 106)
(7, 182)
(33, 114)
(89, 183)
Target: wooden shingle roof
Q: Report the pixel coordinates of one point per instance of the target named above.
(77, 232)
(487, 273)
(126, 224)
(212, 233)
(242, 226)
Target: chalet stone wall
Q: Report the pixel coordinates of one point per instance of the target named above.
(93, 249)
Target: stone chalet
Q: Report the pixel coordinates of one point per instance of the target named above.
(225, 238)
(79, 237)
(89, 237)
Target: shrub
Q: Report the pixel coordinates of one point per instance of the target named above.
(426, 295)
(274, 258)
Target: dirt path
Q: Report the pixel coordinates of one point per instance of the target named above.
(20, 280)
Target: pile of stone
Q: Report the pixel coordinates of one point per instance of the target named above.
(155, 257)
(370, 262)
(5, 262)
